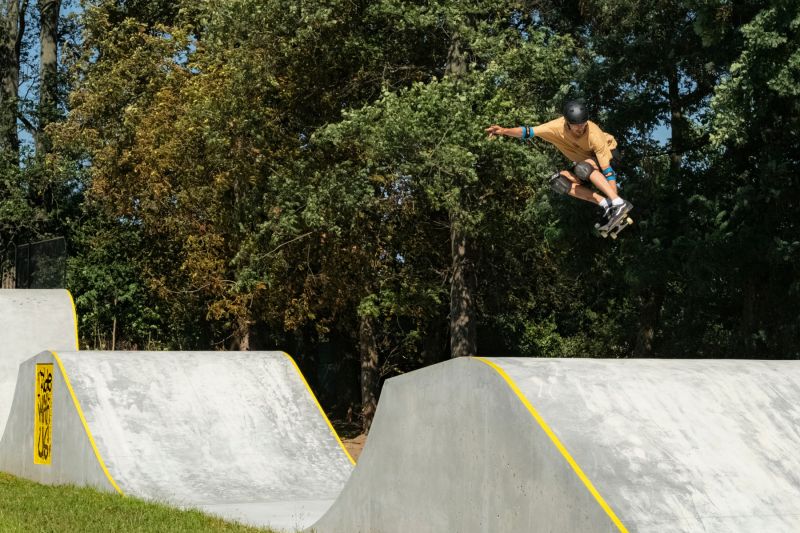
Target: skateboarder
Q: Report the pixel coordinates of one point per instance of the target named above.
(589, 148)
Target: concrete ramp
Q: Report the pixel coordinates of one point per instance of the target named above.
(31, 321)
(469, 445)
(238, 434)
(580, 445)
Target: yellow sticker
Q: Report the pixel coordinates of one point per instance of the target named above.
(43, 416)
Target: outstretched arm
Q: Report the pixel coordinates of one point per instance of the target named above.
(521, 132)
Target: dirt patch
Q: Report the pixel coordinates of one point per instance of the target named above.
(355, 445)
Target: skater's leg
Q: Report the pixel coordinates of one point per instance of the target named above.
(608, 188)
(580, 191)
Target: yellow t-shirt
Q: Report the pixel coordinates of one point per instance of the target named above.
(594, 143)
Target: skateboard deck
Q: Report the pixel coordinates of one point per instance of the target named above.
(613, 231)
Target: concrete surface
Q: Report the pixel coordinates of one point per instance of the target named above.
(469, 445)
(678, 445)
(238, 434)
(31, 321)
(581, 445)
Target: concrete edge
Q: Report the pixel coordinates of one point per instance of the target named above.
(557, 443)
(74, 319)
(321, 411)
(88, 431)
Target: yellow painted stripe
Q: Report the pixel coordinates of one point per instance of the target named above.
(74, 320)
(322, 412)
(561, 448)
(85, 424)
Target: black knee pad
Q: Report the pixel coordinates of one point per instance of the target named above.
(583, 170)
(560, 184)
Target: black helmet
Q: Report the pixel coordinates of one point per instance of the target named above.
(575, 112)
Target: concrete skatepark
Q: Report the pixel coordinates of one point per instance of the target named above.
(474, 444)
(31, 321)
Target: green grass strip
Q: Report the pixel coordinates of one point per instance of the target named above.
(26, 506)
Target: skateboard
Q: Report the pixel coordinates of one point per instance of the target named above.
(612, 231)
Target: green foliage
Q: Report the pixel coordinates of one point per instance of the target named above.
(763, 84)
(755, 134)
(238, 170)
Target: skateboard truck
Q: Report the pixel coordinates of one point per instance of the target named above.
(613, 231)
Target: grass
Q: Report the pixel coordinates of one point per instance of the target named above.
(29, 507)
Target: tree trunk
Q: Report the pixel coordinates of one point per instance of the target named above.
(677, 124)
(48, 64)
(434, 345)
(241, 337)
(368, 348)
(463, 337)
(10, 51)
(456, 59)
(114, 327)
(653, 297)
(648, 321)
(749, 320)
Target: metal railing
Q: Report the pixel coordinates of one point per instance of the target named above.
(37, 265)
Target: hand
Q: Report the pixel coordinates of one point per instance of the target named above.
(495, 130)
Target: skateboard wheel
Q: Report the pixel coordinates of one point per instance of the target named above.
(629, 220)
(604, 234)
(614, 236)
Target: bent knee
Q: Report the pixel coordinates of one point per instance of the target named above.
(570, 176)
(583, 170)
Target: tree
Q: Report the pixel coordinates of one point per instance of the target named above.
(14, 20)
(429, 141)
(48, 70)
(755, 136)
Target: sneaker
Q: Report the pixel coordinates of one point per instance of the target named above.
(603, 219)
(618, 212)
